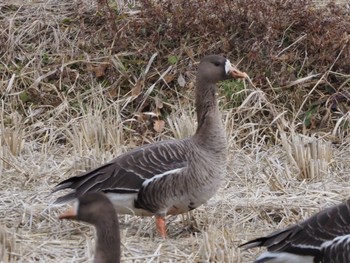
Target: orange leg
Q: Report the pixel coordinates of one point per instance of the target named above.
(160, 222)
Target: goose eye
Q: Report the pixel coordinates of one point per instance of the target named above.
(217, 64)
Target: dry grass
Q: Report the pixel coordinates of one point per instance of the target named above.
(58, 118)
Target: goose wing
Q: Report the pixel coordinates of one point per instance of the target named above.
(127, 172)
(307, 237)
(337, 250)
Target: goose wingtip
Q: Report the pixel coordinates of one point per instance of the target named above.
(250, 244)
(65, 198)
(60, 186)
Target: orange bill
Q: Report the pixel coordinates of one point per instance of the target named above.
(237, 74)
(71, 213)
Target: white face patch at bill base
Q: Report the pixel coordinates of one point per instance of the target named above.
(228, 67)
(76, 207)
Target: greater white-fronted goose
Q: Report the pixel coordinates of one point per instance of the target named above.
(169, 177)
(324, 237)
(97, 209)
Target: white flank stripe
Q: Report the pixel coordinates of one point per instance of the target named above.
(156, 177)
(284, 257)
(122, 198)
(335, 240)
(228, 66)
(123, 203)
(306, 246)
(76, 206)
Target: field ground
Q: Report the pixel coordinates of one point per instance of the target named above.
(262, 191)
(244, 208)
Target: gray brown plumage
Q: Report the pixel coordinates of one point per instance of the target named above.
(97, 209)
(169, 177)
(324, 237)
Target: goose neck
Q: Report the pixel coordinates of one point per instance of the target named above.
(210, 130)
(205, 102)
(108, 241)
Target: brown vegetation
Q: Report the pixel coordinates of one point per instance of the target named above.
(84, 81)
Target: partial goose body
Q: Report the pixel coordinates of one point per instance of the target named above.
(169, 177)
(97, 209)
(324, 237)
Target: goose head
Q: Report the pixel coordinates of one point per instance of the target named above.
(96, 209)
(90, 208)
(215, 68)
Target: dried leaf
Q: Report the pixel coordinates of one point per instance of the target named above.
(142, 116)
(100, 70)
(136, 90)
(181, 80)
(159, 103)
(158, 125)
(112, 93)
(168, 78)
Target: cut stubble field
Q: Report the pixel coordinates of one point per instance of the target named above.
(259, 195)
